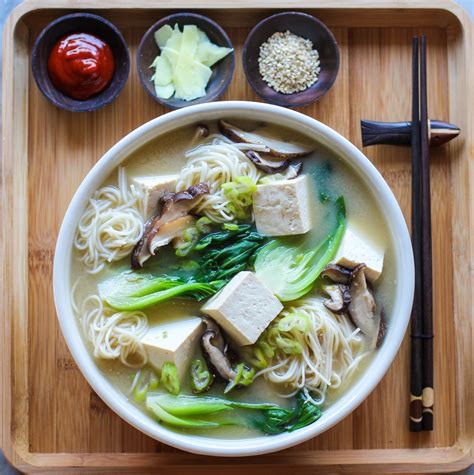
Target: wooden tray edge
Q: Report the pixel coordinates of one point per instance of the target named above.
(16, 449)
(444, 459)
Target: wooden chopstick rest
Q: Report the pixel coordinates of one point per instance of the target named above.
(399, 133)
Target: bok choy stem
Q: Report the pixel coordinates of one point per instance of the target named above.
(194, 289)
(290, 272)
(183, 405)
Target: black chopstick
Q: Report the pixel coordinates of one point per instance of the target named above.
(421, 382)
(416, 406)
(426, 249)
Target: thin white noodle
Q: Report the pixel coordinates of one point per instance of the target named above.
(114, 335)
(111, 224)
(270, 368)
(217, 162)
(331, 351)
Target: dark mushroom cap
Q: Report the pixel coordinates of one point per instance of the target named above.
(338, 274)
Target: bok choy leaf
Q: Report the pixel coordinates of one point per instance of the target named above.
(180, 411)
(276, 421)
(224, 254)
(289, 271)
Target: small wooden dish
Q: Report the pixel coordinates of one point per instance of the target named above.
(303, 25)
(84, 23)
(221, 72)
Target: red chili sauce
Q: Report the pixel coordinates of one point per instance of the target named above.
(81, 65)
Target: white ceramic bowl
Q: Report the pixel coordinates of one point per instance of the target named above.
(273, 114)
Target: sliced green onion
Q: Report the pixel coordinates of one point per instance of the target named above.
(201, 377)
(203, 225)
(154, 381)
(230, 226)
(258, 359)
(140, 392)
(169, 378)
(243, 377)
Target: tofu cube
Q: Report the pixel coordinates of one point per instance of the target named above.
(243, 308)
(173, 342)
(283, 208)
(355, 250)
(154, 187)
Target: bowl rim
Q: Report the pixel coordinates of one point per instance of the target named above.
(126, 63)
(176, 16)
(354, 396)
(324, 91)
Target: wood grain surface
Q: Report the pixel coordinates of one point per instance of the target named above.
(50, 416)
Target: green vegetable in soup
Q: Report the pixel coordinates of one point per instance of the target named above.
(259, 354)
(203, 225)
(200, 405)
(201, 377)
(140, 392)
(169, 378)
(289, 271)
(229, 231)
(224, 263)
(154, 381)
(323, 173)
(168, 418)
(133, 284)
(190, 237)
(276, 421)
(239, 192)
(180, 411)
(226, 253)
(278, 336)
(126, 302)
(142, 382)
(273, 421)
(244, 377)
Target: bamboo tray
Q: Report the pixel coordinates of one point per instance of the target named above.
(51, 418)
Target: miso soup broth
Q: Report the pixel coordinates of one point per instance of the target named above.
(233, 263)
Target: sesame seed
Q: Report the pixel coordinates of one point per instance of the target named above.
(288, 63)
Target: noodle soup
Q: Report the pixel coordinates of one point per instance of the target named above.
(233, 279)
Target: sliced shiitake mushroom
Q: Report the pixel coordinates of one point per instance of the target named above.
(267, 166)
(173, 207)
(140, 253)
(214, 350)
(362, 308)
(273, 147)
(270, 167)
(177, 205)
(219, 340)
(340, 297)
(170, 231)
(338, 274)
